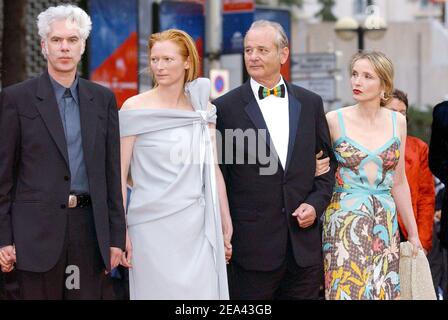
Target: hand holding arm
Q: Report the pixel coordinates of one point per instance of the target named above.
(322, 165)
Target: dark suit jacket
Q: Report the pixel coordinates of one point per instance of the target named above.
(35, 176)
(261, 205)
(438, 160)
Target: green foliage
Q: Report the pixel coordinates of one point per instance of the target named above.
(419, 123)
(326, 12)
(298, 3)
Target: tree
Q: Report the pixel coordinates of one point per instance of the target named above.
(297, 3)
(419, 122)
(14, 42)
(326, 12)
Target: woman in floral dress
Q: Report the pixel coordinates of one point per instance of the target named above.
(361, 240)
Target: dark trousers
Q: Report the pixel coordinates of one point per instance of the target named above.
(79, 273)
(288, 282)
(9, 287)
(438, 262)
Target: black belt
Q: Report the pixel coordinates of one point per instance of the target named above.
(79, 200)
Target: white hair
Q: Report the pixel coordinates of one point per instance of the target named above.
(64, 12)
(281, 39)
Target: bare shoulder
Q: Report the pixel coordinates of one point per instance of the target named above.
(401, 119)
(401, 124)
(332, 116)
(139, 101)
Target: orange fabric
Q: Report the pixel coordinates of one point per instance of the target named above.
(421, 184)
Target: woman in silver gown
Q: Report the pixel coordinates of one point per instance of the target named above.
(179, 226)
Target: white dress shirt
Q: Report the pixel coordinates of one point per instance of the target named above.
(275, 112)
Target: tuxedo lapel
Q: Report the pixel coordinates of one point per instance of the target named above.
(88, 120)
(255, 115)
(295, 109)
(49, 111)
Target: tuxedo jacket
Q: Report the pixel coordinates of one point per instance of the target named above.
(261, 205)
(35, 174)
(438, 160)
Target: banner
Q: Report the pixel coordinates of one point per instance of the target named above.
(113, 46)
(187, 16)
(238, 15)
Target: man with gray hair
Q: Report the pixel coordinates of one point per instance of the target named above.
(62, 221)
(276, 238)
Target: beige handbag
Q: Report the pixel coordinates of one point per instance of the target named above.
(415, 275)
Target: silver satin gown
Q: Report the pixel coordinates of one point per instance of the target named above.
(173, 216)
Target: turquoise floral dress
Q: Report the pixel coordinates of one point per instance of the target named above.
(360, 231)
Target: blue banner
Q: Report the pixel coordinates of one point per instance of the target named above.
(114, 46)
(185, 16)
(113, 22)
(234, 28)
(283, 17)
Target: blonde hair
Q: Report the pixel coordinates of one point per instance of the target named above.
(383, 68)
(186, 46)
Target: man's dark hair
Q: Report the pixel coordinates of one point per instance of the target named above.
(400, 95)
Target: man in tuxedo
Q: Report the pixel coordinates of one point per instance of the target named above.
(276, 204)
(62, 221)
(438, 160)
(438, 163)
